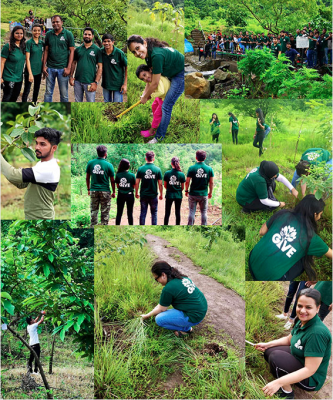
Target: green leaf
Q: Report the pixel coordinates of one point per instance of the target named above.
(76, 327)
(17, 132)
(62, 334)
(51, 257)
(27, 138)
(8, 306)
(68, 325)
(318, 194)
(6, 295)
(8, 138)
(40, 124)
(28, 153)
(33, 110)
(46, 270)
(33, 129)
(81, 318)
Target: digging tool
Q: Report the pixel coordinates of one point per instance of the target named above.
(252, 344)
(126, 111)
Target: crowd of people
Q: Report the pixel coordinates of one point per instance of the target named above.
(318, 53)
(31, 20)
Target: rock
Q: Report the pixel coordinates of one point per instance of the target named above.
(221, 76)
(197, 86)
(224, 66)
(212, 83)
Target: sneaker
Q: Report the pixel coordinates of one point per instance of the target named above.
(281, 316)
(146, 134)
(35, 373)
(245, 211)
(288, 325)
(153, 141)
(283, 395)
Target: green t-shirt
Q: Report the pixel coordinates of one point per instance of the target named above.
(100, 173)
(215, 128)
(325, 42)
(149, 175)
(275, 49)
(234, 123)
(252, 187)
(263, 39)
(325, 289)
(87, 60)
(284, 42)
(174, 181)
(114, 65)
(283, 246)
(13, 69)
(36, 54)
(183, 295)
(58, 48)
(259, 129)
(316, 155)
(166, 61)
(312, 340)
(200, 173)
(126, 182)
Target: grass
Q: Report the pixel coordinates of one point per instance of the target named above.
(239, 160)
(144, 361)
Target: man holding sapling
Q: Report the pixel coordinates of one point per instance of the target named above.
(41, 180)
(32, 329)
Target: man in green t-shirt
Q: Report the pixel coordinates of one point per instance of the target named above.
(326, 37)
(99, 173)
(114, 76)
(150, 177)
(200, 176)
(275, 47)
(58, 58)
(284, 39)
(87, 58)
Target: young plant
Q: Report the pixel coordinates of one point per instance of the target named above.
(319, 180)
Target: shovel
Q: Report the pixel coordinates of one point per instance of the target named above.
(126, 111)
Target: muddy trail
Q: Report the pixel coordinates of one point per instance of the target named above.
(226, 309)
(214, 215)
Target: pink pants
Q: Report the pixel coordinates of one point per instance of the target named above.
(157, 112)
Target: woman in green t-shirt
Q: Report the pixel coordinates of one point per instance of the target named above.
(125, 181)
(12, 64)
(174, 181)
(234, 126)
(260, 131)
(188, 302)
(302, 357)
(289, 242)
(215, 127)
(166, 61)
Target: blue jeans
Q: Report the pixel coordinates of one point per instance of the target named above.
(231, 46)
(62, 83)
(296, 176)
(153, 202)
(112, 96)
(176, 89)
(214, 54)
(174, 320)
(192, 205)
(80, 89)
(267, 132)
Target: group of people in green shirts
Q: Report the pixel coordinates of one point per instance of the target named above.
(198, 183)
(57, 59)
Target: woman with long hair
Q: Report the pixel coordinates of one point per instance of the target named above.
(174, 181)
(125, 181)
(289, 242)
(164, 61)
(188, 302)
(234, 126)
(215, 127)
(12, 64)
(260, 131)
(302, 357)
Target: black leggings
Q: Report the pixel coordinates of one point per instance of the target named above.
(121, 200)
(234, 136)
(11, 91)
(215, 137)
(27, 87)
(168, 205)
(282, 362)
(256, 204)
(323, 311)
(259, 138)
(36, 347)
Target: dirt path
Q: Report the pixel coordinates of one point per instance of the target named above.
(214, 215)
(226, 309)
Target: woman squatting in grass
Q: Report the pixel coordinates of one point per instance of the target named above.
(164, 61)
(289, 242)
(188, 302)
(302, 357)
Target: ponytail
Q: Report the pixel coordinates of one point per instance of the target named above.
(175, 163)
(162, 266)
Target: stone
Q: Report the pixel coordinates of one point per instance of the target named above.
(197, 86)
(221, 76)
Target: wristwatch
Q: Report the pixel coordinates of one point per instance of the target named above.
(96, 82)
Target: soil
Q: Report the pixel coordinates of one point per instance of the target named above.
(214, 215)
(226, 309)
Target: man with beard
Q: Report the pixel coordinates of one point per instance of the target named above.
(41, 180)
(86, 58)
(58, 58)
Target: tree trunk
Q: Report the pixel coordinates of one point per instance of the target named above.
(47, 387)
(51, 358)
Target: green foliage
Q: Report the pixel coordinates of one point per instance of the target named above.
(319, 180)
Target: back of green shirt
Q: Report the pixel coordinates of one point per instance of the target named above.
(100, 173)
(149, 175)
(325, 289)
(174, 180)
(184, 296)
(126, 182)
(282, 247)
(234, 123)
(252, 187)
(316, 155)
(200, 173)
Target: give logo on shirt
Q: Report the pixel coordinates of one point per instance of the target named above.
(190, 285)
(149, 174)
(113, 61)
(123, 183)
(298, 345)
(98, 170)
(312, 156)
(92, 53)
(62, 38)
(173, 180)
(201, 173)
(251, 172)
(287, 234)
